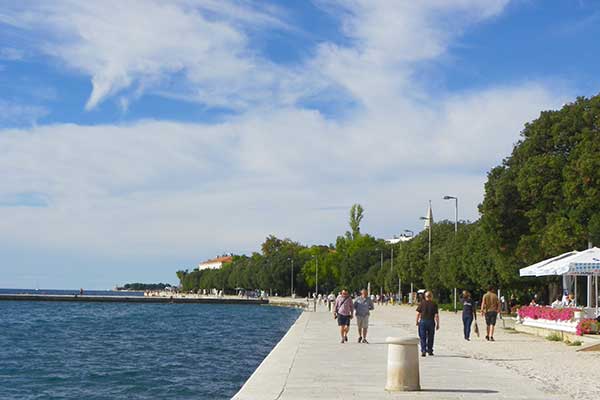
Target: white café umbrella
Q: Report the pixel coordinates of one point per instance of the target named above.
(586, 262)
(578, 264)
(537, 268)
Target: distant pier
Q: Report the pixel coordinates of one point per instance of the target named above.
(131, 299)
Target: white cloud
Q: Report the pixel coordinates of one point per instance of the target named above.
(13, 113)
(145, 43)
(162, 188)
(390, 39)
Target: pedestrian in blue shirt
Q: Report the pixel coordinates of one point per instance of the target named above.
(467, 313)
(362, 308)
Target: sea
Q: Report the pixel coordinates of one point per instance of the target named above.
(56, 350)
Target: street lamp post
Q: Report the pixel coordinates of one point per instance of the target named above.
(292, 278)
(455, 232)
(392, 270)
(455, 211)
(316, 275)
(383, 278)
(316, 281)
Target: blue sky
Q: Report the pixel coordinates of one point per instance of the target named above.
(142, 137)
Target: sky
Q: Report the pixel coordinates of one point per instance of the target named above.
(139, 138)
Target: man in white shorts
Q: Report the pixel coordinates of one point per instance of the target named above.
(362, 309)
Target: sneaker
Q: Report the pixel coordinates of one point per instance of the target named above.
(365, 341)
(343, 341)
(487, 338)
(467, 339)
(492, 339)
(360, 339)
(423, 354)
(430, 353)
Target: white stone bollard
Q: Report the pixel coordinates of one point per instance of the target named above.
(403, 364)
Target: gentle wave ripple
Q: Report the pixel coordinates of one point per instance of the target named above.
(133, 351)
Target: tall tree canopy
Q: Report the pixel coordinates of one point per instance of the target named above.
(544, 198)
(356, 215)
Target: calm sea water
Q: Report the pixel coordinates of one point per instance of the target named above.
(133, 351)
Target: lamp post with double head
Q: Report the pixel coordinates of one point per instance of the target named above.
(455, 211)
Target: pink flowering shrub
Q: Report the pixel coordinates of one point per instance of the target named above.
(549, 313)
(587, 326)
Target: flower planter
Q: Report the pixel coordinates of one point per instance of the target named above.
(560, 319)
(587, 326)
(564, 326)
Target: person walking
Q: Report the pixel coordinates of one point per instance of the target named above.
(490, 307)
(468, 313)
(344, 309)
(428, 321)
(330, 300)
(362, 309)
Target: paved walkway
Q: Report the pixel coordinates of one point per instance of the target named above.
(311, 363)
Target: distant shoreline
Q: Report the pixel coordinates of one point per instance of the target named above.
(127, 299)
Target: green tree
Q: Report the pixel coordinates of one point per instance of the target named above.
(356, 216)
(545, 197)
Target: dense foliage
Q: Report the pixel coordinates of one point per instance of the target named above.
(545, 198)
(144, 286)
(356, 259)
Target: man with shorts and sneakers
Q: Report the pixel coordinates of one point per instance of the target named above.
(343, 313)
(362, 309)
(490, 307)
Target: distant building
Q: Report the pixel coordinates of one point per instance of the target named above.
(215, 263)
(398, 239)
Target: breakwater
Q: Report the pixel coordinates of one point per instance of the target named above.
(130, 299)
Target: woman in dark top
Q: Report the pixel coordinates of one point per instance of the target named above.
(467, 314)
(428, 321)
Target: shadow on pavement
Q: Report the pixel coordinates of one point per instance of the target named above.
(451, 356)
(480, 391)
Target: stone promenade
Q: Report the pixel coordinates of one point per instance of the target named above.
(311, 363)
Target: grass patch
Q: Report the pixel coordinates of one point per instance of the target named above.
(554, 337)
(450, 307)
(573, 343)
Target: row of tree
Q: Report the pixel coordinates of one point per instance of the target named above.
(144, 286)
(458, 260)
(542, 200)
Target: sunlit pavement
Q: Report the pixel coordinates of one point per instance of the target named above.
(310, 362)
